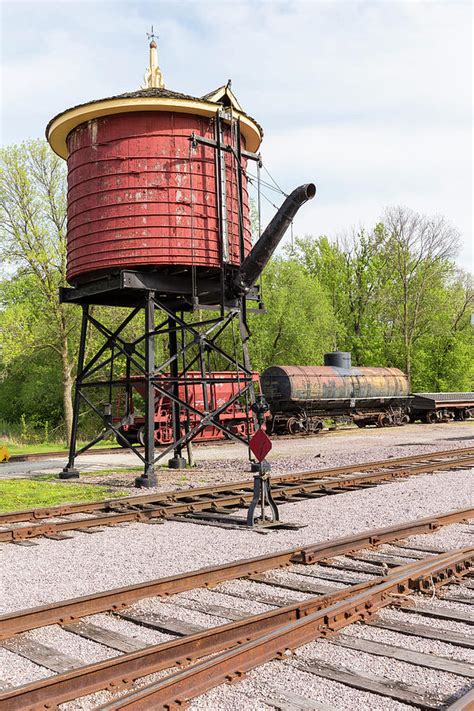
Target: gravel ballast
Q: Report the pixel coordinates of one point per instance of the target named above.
(53, 570)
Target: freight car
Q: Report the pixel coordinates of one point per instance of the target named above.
(219, 388)
(301, 397)
(441, 407)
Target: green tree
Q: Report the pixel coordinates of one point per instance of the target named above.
(325, 261)
(446, 358)
(299, 325)
(352, 273)
(419, 252)
(33, 243)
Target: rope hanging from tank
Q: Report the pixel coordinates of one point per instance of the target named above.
(251, 176)
(259, 197)
(274, 181)
(239, 385)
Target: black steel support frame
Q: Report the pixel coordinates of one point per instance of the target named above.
(163, 379)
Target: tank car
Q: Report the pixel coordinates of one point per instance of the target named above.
(300, 397)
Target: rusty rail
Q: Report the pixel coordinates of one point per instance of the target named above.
(239, 494)
(172, 496)
(178, 688)
(260, 638)
(119, 598)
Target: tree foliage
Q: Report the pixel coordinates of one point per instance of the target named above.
(33, 243)
(392, 295)
(299, 324)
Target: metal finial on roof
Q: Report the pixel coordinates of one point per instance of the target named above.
(151, 36)
(153, 75)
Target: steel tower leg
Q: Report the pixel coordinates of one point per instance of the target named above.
(176, 462)
(149, 477)
(69, 471)
(244, 337)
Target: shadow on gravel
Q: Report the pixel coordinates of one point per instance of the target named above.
(412, 444)
(457, 439)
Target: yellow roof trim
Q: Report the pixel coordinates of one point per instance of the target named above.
(61, 127)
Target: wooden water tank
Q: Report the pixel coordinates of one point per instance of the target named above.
(141, 195)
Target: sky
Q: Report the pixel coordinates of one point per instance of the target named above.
(369, 100)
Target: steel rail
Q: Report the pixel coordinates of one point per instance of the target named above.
(172, 496)
(117, 449)
(331, 612)
(178, 688)
(61, 509)
(163, 509)
(464, 703)
(66, 611)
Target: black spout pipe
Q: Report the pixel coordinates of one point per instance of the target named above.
(259, 256)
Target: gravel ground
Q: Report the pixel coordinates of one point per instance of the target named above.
(265, 682)
(229, 460)
(314, 453)
(259, 685)
(54, 570)
(275, 677)
(17, 670)
(417, 644)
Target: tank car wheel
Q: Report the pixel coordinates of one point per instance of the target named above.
(460, 415)
(431, 418)
(361, 425)
(294, 426)
(384, 420)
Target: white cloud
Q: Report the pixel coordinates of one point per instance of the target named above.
(371, 99)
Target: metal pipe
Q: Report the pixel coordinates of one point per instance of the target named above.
(260, 254)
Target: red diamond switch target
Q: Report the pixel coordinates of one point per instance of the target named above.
(260, 444)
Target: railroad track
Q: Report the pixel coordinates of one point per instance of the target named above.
(342, 581)
(219, 501)
(40, 456)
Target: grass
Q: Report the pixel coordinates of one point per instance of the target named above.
(18, 494)
(45, 447)
(100, 472)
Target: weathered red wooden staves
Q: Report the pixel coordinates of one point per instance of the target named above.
(140, 195)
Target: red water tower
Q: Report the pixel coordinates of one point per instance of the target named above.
(158, 222)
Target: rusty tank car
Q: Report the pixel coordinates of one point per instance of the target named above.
(301, 397)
